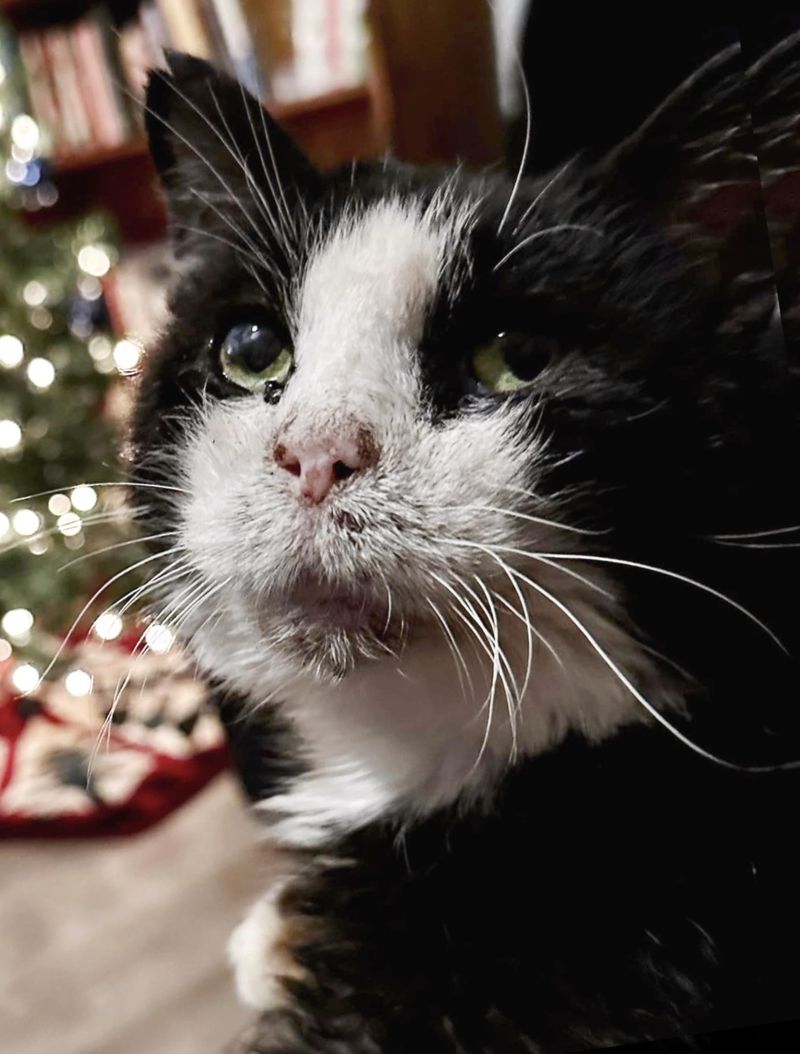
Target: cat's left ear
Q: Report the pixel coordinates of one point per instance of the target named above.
(218, 151)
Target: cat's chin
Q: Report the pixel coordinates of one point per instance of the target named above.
(331, 630)
(332, 655)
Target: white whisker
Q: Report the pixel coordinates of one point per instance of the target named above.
(544, 233)
(524, 159)
(540, 195)
(117, 545)
(122, 484)
(94, 597)
(515, 514)
(648, 706)
(754, 534)
(617, 561)
(462, 670)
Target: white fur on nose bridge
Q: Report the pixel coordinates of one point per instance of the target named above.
(361, 313)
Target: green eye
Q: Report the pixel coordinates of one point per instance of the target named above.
(512, 361)
(253, 355)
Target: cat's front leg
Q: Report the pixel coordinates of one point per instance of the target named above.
(338, 959)
(260, 953)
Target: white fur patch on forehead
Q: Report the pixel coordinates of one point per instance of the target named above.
(380, 266)
(361, 306)
(389, 260)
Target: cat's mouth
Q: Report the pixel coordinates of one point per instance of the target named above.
(331, 628)
(315, 609)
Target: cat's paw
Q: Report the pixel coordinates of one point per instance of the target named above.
(259, 953)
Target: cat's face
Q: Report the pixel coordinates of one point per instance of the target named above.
(381, 393)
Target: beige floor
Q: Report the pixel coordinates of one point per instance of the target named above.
(118, 947)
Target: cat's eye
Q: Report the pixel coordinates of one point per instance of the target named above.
(512, 361)
(255, 356)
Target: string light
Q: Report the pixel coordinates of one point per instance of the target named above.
(94, 260)
(99, 348)
(158, 638)
(35, 293)
(10, 435)
(41, 373)
(39, 546)
(108, 626)
(41, 317)
(6, 651)
(84, 498)
(11, 350)
(47, 194)
(69, 524)
(15, 171)
(59, 504)
(26, 522)
(37, 427)
(127, 355)
(17, 622)
(78, 682)
(25, 678)
(21, 153)
(25, 132)
(89, 288)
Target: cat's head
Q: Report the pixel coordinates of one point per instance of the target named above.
(383, 391)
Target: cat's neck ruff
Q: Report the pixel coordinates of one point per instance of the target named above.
(400, 737)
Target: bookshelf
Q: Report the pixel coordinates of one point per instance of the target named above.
(428, 94)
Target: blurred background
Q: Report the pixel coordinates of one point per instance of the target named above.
(127, 856)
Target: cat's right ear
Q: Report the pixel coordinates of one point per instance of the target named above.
(705, 118)
(220, 154)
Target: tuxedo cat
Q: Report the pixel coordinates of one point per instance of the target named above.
(485, 527)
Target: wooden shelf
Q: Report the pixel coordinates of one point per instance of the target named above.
(291, 114)
(98, 157)
(331, 128)
(30, 13)
(287, 111)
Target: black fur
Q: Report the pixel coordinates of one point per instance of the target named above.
(619, 892)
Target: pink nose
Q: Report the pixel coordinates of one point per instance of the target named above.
(319, 464)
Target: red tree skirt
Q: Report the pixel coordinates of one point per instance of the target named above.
(66, 771)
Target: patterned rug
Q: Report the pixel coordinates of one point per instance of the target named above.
(67, 769)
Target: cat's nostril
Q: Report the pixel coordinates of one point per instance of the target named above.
(287, 460)
(342, 470)
(319, 465)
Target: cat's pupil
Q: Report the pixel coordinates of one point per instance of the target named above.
(252, 346)
(527, 356)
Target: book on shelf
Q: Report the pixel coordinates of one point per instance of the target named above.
(39, 86)
(186, 28)
(237, 43)
(155, 31)
(96, 87)
(86, 78)
(76, 85)
(74, 123)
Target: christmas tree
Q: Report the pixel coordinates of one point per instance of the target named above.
(60, 367)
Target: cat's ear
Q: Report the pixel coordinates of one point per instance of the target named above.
(701, 128)
(219, 152)
(694, 165)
